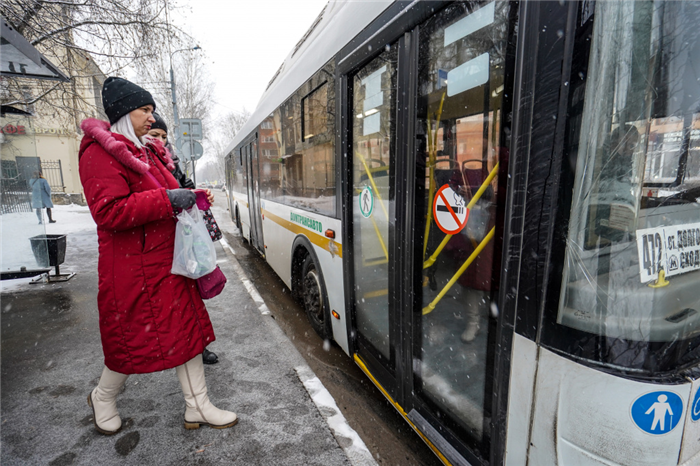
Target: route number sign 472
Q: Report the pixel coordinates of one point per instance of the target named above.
(673, 249)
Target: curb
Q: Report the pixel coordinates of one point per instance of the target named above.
(351, 443)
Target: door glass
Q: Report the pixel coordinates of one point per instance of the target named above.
(460, 95)
(373, 195)
(256, 214)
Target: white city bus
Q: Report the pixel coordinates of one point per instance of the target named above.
(492, 207)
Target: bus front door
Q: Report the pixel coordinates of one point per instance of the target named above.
(373, 148)
(427, 179)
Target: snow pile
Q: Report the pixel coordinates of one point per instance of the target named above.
(17, 228)
(350, 442)
(71, 218)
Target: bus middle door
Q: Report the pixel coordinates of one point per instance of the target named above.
(256, 232)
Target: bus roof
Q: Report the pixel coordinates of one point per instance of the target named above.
(339, 22)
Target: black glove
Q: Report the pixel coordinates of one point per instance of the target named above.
(187, 183)
(181, 198)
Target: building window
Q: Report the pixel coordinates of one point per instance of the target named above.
(315, 107)
(9, 169)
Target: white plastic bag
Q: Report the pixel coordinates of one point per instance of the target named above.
(194, 255)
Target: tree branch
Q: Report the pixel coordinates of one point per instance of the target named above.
(34, 100)
(145, 23)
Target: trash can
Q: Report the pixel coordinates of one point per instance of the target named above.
(49, 250)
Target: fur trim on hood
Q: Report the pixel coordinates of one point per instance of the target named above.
(162, 152)
(120, 147)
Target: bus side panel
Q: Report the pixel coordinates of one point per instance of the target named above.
(522, 376)
(690, 450)
(278, 240)
(332, 266)
(281, 225)
(588, 414)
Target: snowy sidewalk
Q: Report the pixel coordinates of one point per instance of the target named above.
(52, 358)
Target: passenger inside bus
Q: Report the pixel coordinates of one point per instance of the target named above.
(466, 181)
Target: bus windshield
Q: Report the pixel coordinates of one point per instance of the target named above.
(632, 265)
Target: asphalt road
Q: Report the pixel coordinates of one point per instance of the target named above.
(387, 435)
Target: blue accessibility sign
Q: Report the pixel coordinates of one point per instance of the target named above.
(657, 413)
(695, 407)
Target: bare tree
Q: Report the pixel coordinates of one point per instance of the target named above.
(226, 128)
(117, 34)
(231, 123)
(194, 87)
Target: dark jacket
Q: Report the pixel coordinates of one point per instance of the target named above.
(181, 178)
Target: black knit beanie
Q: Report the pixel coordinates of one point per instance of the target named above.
(160, 123)
(120, 97)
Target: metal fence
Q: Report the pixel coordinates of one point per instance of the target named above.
(52, 171)
(15, 196)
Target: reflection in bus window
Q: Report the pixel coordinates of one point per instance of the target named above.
(301, 171)
(460, 109)
(315, 107)
(269, 161)
(629, 290)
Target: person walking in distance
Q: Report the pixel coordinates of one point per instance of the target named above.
(159, 132)
(41, 196)
(150, 319)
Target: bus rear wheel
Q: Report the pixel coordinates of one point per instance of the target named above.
(314, 298)
(238, 220)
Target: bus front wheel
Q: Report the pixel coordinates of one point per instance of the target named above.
(314, 298)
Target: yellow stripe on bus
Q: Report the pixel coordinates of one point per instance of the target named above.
(239, 200)
(320, 241)
(398, 407)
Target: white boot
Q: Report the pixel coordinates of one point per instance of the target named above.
(103, 401)
(199, 408)
(470, 332)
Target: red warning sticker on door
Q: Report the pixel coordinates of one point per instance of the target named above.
(450, 210)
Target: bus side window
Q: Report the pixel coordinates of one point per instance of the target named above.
(307, 142)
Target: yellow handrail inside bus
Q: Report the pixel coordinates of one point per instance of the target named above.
(432, 155)
(431, 260)
(431, 307)
(381, 240)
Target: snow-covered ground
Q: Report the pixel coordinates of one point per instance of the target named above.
(17, 228)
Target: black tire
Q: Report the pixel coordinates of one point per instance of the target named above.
(314, 298)
(238, 220)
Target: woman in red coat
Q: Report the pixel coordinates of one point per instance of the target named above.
(150, 319)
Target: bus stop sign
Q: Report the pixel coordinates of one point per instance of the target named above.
(191, 128)
(449, 210)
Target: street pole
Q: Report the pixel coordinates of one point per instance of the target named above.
(174, 96)
(194, 172)
(172, 89)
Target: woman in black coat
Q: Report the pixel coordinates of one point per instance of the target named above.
(159, 130)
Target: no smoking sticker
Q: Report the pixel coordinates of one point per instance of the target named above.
(449, 210)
